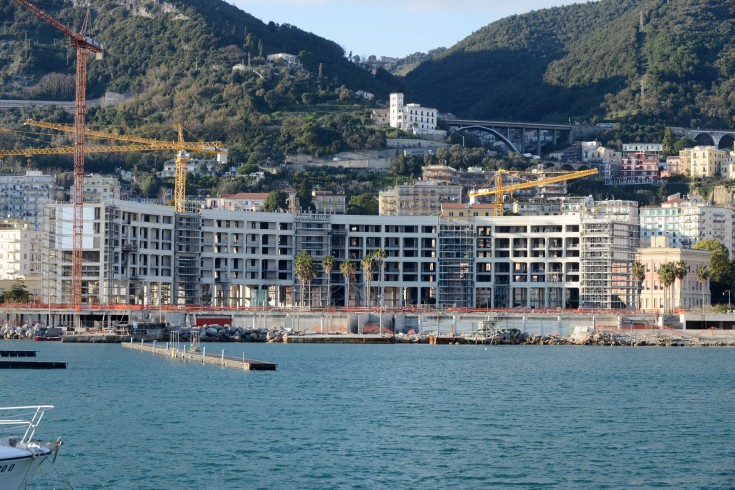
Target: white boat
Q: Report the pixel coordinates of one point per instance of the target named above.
(20, 454)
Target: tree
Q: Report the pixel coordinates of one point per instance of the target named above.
(328, 266)
(276, 201)
(379, 257)
(719, 259)
(681, 269)
(18, 293)
(666, 276)
(638, 273)
(304, 270)
(667, 146)
(348, 271)
(367, 275)
(363, 204)
(149, 185)
(702, 273)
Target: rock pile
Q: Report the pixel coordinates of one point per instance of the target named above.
(228, 333)
(18, 332)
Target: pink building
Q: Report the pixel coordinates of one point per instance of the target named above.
(640, 168)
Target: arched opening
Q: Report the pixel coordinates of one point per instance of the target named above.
(704, 139)
(726, 142)
(496, 135)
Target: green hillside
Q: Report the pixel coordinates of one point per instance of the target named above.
(177, 58)
(647, 61)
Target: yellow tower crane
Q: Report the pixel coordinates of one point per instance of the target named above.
(144, 144)
(501, 189)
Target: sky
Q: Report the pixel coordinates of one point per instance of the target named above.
(390, 27)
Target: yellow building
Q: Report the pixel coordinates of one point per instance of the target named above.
(419, 199)
(703, 161)
(464, 211)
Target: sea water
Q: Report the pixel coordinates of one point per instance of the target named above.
(385, 416)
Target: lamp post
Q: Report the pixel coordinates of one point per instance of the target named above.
(728, 298)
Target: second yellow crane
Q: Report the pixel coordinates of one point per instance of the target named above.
(500, 189)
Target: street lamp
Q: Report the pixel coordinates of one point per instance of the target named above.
(728, 298)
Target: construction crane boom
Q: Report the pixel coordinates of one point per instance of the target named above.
(181, 146)
(67, 150)
(82, 43)
(501, 189)
(215, 146)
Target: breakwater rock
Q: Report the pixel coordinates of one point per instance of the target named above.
(227, 333)
(19, 332)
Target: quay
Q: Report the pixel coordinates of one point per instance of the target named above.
(203, 357)
(17, 353)
(338, 339)
(32, 365)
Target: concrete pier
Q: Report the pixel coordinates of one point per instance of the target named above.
(32, 365)
(17, 353)
(203, 357)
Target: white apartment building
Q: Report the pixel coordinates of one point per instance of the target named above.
(22, 197)
(99, 188)
(242, 201)
(20, 248)
(411, 117)
(688, 221)
(642, 148)
(147, 255)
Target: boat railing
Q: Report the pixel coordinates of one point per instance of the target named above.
(23, 418)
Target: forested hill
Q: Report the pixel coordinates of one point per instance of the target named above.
(144, 39)
(177, 57)
(668, 61)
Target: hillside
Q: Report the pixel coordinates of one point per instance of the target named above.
(662, 61)
(177, 58)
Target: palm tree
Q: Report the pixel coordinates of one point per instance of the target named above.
(379, 257)
(681, 269)
(703, 275)
(367, 275)
(328, 266)
(666, 276)
(638, 272)
(348, 271)
(304, 270)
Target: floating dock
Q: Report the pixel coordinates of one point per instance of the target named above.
(203, 357)
(32, 365)
(17, 353)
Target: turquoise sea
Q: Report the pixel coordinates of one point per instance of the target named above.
(376, 416)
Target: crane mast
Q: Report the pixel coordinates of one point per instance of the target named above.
(83, 44)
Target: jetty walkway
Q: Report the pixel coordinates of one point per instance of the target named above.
(203, 357)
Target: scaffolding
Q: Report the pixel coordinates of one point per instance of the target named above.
(608, 250)
(188, 243)
(456, 265)
(50, 265)
(313, 235)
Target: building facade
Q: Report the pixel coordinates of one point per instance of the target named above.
(148, 255)
(411, 117)
(419, 199)
(688, 292)
(688, 221)
(22, 197)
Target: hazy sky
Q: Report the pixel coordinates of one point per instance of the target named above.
(390, 27)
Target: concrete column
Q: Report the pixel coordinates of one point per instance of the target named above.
(538, 142)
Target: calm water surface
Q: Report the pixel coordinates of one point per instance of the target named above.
(400, 416)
